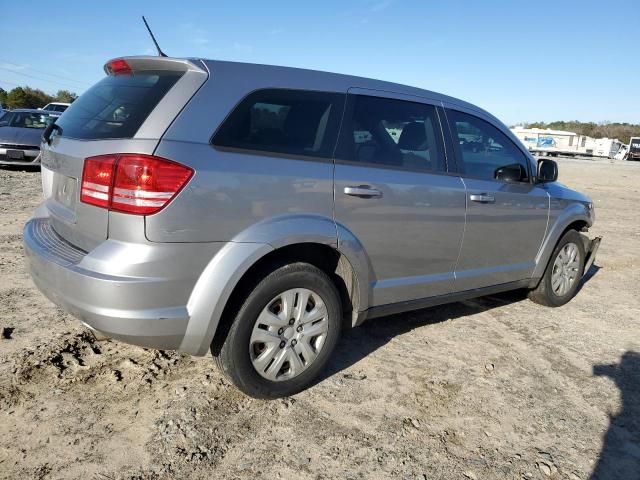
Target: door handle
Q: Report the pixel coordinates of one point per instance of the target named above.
(362, 191)
(482, 198)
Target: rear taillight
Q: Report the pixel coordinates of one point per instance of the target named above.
(97, 180)
(131, 182)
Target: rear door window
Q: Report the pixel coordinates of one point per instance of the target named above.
(292, 122)
(483, 150)
(116, 106)
(392, 133)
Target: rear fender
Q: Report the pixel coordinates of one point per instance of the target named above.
(218, 280)
(287, 230)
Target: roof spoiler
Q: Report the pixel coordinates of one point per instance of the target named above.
(129, 65)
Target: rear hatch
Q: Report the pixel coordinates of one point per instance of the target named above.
(128, 111)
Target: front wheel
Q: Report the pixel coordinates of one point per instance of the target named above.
(564, 271)
(284, 333)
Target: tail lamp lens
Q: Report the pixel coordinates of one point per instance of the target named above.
(132, 183)
(97, 180)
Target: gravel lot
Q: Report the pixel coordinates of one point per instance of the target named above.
(494, 388)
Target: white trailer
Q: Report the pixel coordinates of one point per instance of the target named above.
(544, 141)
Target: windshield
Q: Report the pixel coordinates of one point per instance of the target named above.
(26, 120)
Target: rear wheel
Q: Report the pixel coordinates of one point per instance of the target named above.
(284, 333)
(564, 271)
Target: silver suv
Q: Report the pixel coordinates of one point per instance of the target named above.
(254, 211)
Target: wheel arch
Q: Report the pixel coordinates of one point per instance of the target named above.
(246, 259)
(575, 217)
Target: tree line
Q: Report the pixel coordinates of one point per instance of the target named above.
(621, 131)
(27, 97)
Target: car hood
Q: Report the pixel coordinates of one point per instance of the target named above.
(21, 136)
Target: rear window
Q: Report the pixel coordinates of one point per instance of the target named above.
(116, 106)
(293, 122)
(56, 108)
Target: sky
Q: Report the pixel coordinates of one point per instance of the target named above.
(522, 61)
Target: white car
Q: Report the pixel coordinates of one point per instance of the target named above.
(56, 107)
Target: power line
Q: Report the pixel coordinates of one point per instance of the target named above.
(38, 78)
(9, 83)
(44, 73)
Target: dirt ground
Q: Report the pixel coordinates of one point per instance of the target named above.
(494, 388)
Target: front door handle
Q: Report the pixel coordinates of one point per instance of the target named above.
(482, 198)
(362, 191)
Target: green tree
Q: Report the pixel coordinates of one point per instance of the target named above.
(65, 96)
(17, 98)
(27, 97)
(37, 98)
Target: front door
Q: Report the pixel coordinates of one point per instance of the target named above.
(507, 214)
(392, 193)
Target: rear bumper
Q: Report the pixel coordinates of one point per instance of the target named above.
(144, 305)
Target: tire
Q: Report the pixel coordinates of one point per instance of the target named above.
(276, 300)
(545, 293)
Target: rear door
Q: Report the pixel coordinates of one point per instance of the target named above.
(507, 213)
(392, 191)
(126, 112)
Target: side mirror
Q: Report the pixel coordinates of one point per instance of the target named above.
(547, 171)
(510, 173)
(4, 124)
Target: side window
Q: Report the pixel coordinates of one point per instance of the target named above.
(291, 122)
(485, 152)
(392, 133)
(6, 119)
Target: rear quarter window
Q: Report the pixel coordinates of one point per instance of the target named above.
(292, 122)
(116, 106)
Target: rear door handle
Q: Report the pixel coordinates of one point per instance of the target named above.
(481, 198)
(362, 191)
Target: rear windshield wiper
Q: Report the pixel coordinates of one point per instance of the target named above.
(46, 135)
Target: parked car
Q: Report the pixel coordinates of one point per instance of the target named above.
(20, 132)
(56, 107)
(634, 149)
(254, 210)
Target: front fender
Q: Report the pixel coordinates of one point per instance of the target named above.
(575, 212)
